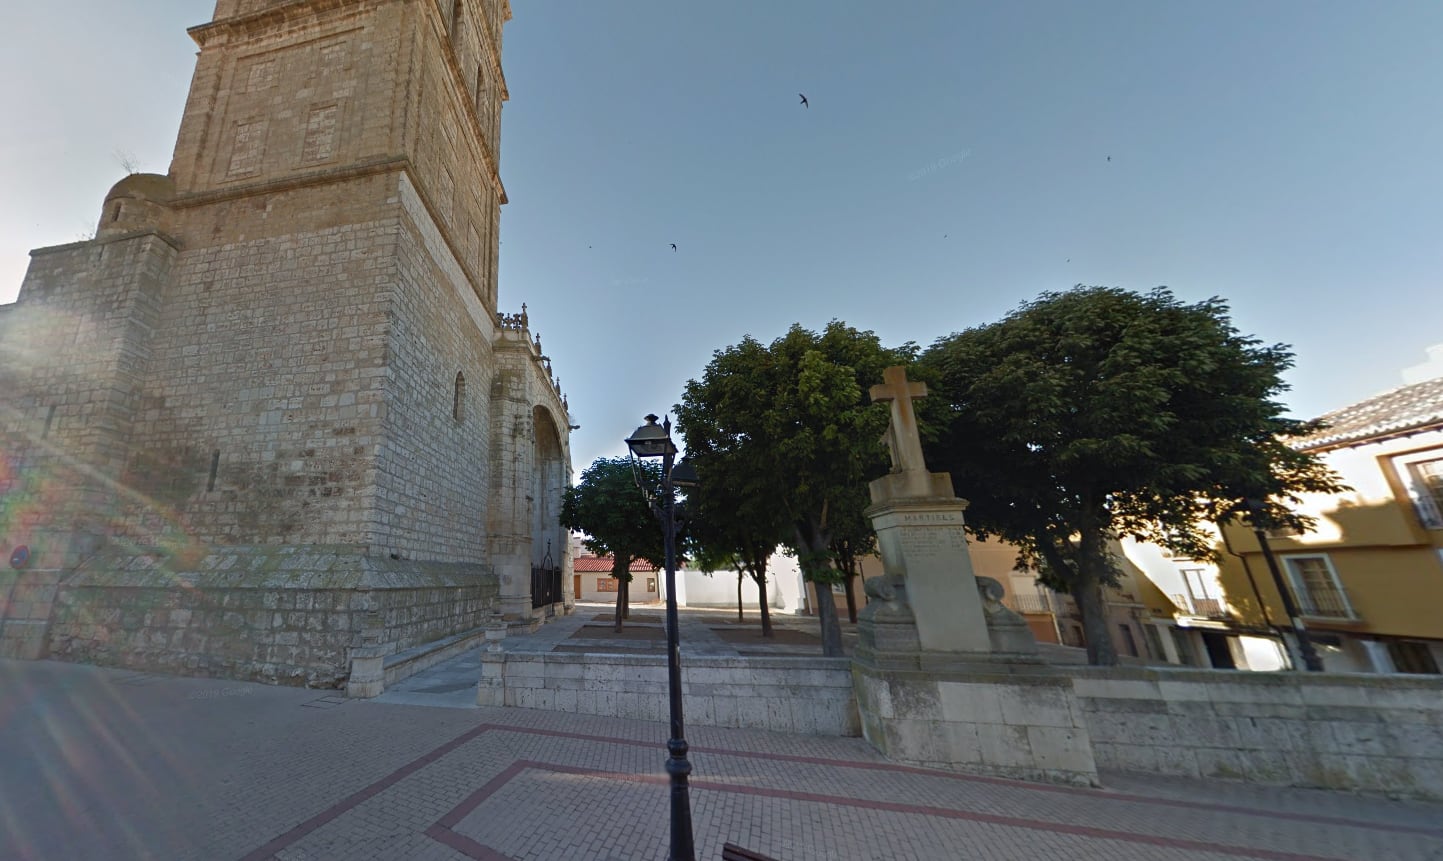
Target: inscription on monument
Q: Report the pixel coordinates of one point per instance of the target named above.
(924, 543)
(945, 517)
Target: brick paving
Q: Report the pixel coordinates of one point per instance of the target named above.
(111, 764)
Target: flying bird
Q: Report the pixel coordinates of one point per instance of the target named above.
(805, 103)
(673, 246)
(1109, 158)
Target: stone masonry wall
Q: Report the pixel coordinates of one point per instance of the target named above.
(64, 423)
(1020, 722)
(432, 479)
(1373, 733)
(260, 417)
(786, 695)
(287, 615)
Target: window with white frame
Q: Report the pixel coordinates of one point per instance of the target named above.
(1425, 486)
(1315, 586)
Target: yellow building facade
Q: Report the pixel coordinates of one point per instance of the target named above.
(1367, 579)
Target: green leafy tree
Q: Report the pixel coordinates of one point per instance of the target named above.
(790, 426)
(1101, 413)
(853, 538)
(607, 506)
(734, 529)
(710, 561)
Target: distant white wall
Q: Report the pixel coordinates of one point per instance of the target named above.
(719, 588)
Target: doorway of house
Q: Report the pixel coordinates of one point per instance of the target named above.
(1218, 652)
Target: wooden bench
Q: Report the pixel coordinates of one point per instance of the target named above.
(733, 852)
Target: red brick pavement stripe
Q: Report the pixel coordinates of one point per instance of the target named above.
(1100, 794)
(341, 807)
(476, 799)
(465, 845)
(336, 810)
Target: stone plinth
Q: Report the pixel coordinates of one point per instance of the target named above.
(922, 543)
(945, 676)
(299, 616)
(983, 716)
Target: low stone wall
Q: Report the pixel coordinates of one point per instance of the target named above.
(811, 696)
(276, 615)
(1018, 720)
(26, 598)
(1372, 733)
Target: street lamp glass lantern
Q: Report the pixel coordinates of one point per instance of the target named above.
(652, 439)
(684, 475)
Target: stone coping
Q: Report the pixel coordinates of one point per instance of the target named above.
(769, 662)
(415, 653)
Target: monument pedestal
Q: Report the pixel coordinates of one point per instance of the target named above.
(979, 714)
(945, 675)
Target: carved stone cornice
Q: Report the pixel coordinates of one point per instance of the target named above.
(276, 19)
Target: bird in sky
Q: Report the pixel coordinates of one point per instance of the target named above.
(1109, 158)
(805, 103)
(673, 246)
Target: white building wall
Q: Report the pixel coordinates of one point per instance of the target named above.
(719, 588)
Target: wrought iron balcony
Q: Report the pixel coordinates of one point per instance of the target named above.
(1029, 603)
(1325, 603)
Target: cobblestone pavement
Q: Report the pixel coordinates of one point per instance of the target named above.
(101, 764)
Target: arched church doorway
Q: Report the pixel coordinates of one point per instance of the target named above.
(548, 483)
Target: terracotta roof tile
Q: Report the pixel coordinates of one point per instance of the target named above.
(602, 564)
(1401, 410)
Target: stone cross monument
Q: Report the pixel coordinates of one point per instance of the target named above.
(918, 521)
(946, 675)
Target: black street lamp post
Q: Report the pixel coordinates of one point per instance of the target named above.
(1311, 660)
(654, 440)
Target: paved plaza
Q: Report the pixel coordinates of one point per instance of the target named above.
(101, 763)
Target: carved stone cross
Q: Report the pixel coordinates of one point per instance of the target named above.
(902, 436)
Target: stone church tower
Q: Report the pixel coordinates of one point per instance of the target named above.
(271, 409)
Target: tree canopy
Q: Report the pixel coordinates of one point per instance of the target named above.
(1099, 413)
(616, 519)
(733, 527)
(784, 438)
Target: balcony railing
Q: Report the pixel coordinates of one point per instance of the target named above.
(1029, 603)
(1212, 608)
(1325, 604)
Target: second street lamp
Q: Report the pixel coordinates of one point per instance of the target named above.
(654, 440)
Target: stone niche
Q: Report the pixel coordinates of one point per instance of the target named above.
(281, 615)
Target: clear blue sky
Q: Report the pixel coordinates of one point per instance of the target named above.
(1287, 156)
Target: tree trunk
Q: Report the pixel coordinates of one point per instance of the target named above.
(827, 615)
(1088, 595)
(619, 568)
(616, 614)
(851, 597)
(815, 559)
(626, 596)
(739, 595)
(765, 610)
